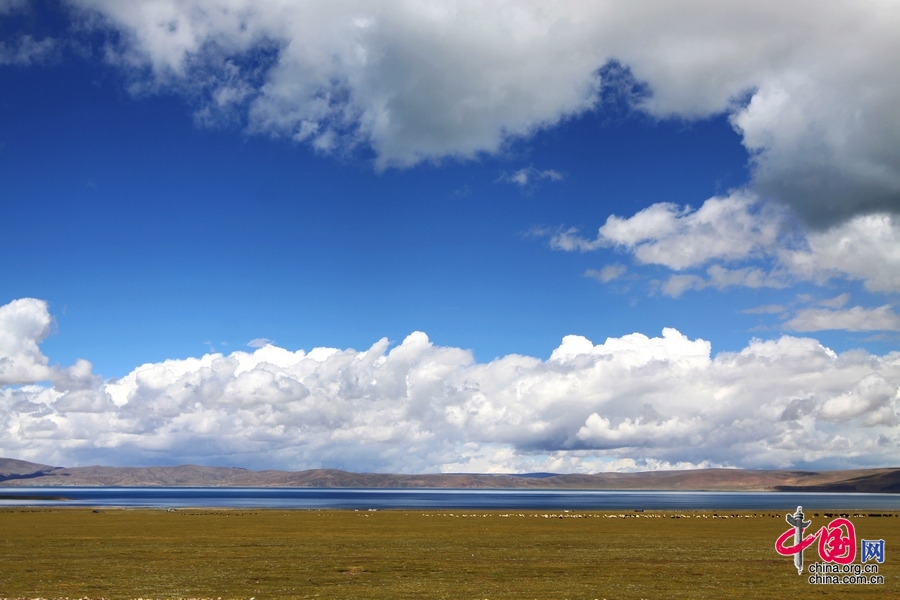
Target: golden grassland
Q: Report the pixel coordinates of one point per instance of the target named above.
(263, 554)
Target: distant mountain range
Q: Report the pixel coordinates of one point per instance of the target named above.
(18, 473)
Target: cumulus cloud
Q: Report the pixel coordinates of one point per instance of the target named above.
(416, 407)
(24, 324)
(734, 227)
(415, 81)
(740, 228)
(865, 248)
(870, 401)
(423, 81)
(725, 229)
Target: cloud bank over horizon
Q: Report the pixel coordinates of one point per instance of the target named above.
(422, 81)
(629, 403)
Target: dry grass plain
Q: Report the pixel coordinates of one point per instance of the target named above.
(270, 554)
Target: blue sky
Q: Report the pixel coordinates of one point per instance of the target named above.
(185, 181)
(171, 236)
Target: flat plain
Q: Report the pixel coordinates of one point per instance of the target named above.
(263, 554)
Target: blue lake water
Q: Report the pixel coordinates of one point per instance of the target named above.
(437, 499)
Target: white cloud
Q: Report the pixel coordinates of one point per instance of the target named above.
(871, 400)
(22, 49)
(735, 227)
(750, 277)
(740, 228)
(720, 278)
(25, 50)
(607, 273)
(422, 81)
(768, 309)
(415, 81)
(634, 400)
(721, 229)
(676, 285)
(23, 325)
(569, 240)
(259, 342)
(837, 302)
(529, 175)
(865, 248)
(851, 319)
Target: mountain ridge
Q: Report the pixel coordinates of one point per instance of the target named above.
(18, 473)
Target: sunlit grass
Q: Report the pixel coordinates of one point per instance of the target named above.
(196, 553)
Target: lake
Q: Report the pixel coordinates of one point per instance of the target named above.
(436, 499)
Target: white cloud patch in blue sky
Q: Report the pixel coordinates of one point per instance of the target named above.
(727, 228)
(739, 229)
(24, 324)
(607, 273)
(23, 49)
(856, 318)
(26, 50)
(530, 176)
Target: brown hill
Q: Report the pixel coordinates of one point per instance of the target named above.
(11, 468)
(22, 473)
(876, 481)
